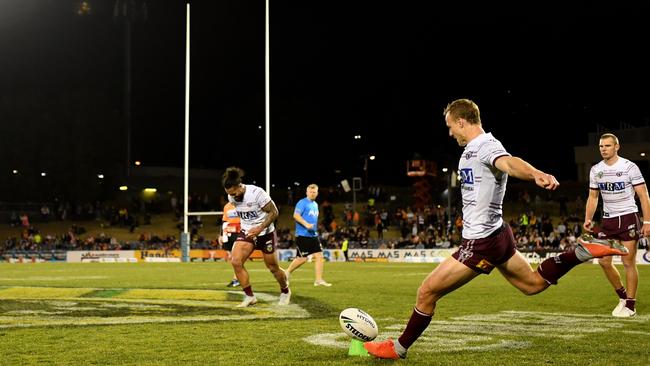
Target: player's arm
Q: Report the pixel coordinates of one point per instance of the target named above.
(298, 217)
(642, 191)
(521, 169)
(271, 215)
(590, 208)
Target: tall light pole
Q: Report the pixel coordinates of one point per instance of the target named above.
(367, 157)
(128, 11)
(448, 178)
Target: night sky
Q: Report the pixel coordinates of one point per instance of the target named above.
(543, 78)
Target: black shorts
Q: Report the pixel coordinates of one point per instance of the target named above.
(266, 243)
(232, 238)
(482, 255)
(308, 245)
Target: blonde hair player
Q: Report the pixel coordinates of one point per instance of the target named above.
(306, 216)
(487, 242)
(617, 179)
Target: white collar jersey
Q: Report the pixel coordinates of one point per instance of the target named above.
(250, 208)
(483, 186)
(616, 184)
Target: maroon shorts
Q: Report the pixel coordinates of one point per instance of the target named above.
(481, 255)
(623, 228)
(266, 243)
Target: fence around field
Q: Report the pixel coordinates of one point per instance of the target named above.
(285, 255)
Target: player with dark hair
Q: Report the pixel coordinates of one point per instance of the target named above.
(257, 212)
(617, 179)
(487, 240)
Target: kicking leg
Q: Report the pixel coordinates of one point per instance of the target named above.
(447, 277)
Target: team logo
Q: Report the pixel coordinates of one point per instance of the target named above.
(464, 254)
(269, 246)
(485, 265)
(600, 174)
(632, 233)
(468, 155)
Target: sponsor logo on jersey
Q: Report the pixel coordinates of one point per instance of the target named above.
(248, 215)
(611, 186)
(466, 176)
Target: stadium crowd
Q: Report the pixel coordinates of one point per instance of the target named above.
(428, 227)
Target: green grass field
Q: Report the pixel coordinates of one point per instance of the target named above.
(181, 314)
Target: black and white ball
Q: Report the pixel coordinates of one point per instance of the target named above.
(358, 324)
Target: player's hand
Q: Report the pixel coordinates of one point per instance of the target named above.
(588, 225)
(645, 230)
(253, 232)
(546, 181)
(309, 226)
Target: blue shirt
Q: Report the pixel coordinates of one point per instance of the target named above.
(308, 210)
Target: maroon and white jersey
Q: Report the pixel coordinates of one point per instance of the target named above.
(616, 184)
(250, 210)
(483, 186)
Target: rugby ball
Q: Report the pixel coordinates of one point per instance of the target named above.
(358, 324)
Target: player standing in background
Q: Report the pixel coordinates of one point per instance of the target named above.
(306, 217)
(229, 230)
(487, 240)
(257, 212)
(617, 179)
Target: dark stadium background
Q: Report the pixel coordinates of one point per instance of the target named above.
(544, 76)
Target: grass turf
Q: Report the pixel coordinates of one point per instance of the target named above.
(167, 309)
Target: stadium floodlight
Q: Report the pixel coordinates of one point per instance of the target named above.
(445, 170)
(100, 176)
(123, 188)
(138, 163)
(150, 190)
(43, 174)
(642, 154)
(372, 157)
(14, 171)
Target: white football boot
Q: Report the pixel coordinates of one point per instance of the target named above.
(248, 301)
(617, 309)
(285, 298)
(625, 312)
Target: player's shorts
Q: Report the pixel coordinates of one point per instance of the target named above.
(623, 228)
(266, 243)
(482, 255)
(232, 238)
(308, 245)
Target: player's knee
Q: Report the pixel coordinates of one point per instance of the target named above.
(426, 295)
(629, 262)
(532, 290)
(237, 263)
(605, 262)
